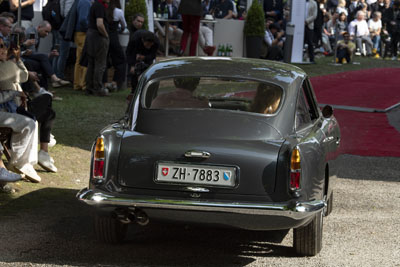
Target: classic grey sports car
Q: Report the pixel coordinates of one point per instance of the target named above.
(227, 141)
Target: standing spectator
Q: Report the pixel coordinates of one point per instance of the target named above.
(27, 13)
(141, 53)
(81, 28)
(97, 42)
(137, 24)
(378, 6)
(345, 49)
(117, 24)
(191, 12)
(318, 23)
(393, 26)
(223, 9)
(60, 62)
(359, 32)
(311, 15)
(375, 27)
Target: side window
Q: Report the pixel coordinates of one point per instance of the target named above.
(303, 117)
(307, 109)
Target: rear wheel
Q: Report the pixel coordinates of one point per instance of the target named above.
(307, 240)
(109, 230)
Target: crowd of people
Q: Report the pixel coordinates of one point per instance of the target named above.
(345, 27)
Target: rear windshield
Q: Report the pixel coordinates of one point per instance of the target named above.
(213, 93)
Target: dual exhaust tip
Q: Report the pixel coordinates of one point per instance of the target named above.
(131, 215)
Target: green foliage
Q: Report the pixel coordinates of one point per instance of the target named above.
(136, 6)
(255, 20)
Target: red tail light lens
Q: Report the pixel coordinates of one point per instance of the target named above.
(98, 168)
(295, 170)
(98, 160)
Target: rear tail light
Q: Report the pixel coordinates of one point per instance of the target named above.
(295, 170)
(98, 160)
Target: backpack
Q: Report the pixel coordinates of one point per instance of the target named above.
(52, 13)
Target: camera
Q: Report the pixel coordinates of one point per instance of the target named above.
(140, 67)
(14, 41)
(32, 36)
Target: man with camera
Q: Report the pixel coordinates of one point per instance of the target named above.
(141, 53)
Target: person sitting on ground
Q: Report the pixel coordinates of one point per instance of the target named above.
(24, 138)
(345, 49)
(359, 32)
(267, 99)
(182, 97)
(39, 62)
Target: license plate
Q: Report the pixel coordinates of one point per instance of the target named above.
(196, 174)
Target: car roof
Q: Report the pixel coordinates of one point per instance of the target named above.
(278, 73)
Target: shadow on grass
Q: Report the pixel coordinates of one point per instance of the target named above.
(52, 227)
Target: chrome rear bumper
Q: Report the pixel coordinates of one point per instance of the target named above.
(296, 211)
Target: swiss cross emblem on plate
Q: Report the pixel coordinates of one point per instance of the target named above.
(165, 171)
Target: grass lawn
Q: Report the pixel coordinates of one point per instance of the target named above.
(80, 117)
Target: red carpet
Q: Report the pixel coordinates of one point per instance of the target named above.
(364, 134)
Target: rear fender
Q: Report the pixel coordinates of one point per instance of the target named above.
(112, 136)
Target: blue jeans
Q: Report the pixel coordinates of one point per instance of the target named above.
(60, 61)
(376, 40)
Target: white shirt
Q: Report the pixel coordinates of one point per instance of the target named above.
(268, 37)
(119, 16)
(374, 26)
(362, 28)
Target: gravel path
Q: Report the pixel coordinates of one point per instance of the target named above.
(362, 231)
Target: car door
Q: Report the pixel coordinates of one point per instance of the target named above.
(310, 138)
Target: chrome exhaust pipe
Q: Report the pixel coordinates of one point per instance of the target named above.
(127, 216)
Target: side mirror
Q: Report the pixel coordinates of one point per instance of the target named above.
(327, 111)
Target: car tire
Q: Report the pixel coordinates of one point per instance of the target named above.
(109, 230)
(307, 240)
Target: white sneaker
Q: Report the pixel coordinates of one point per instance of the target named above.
(29, 172)
(52, 142)
(46, 162)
